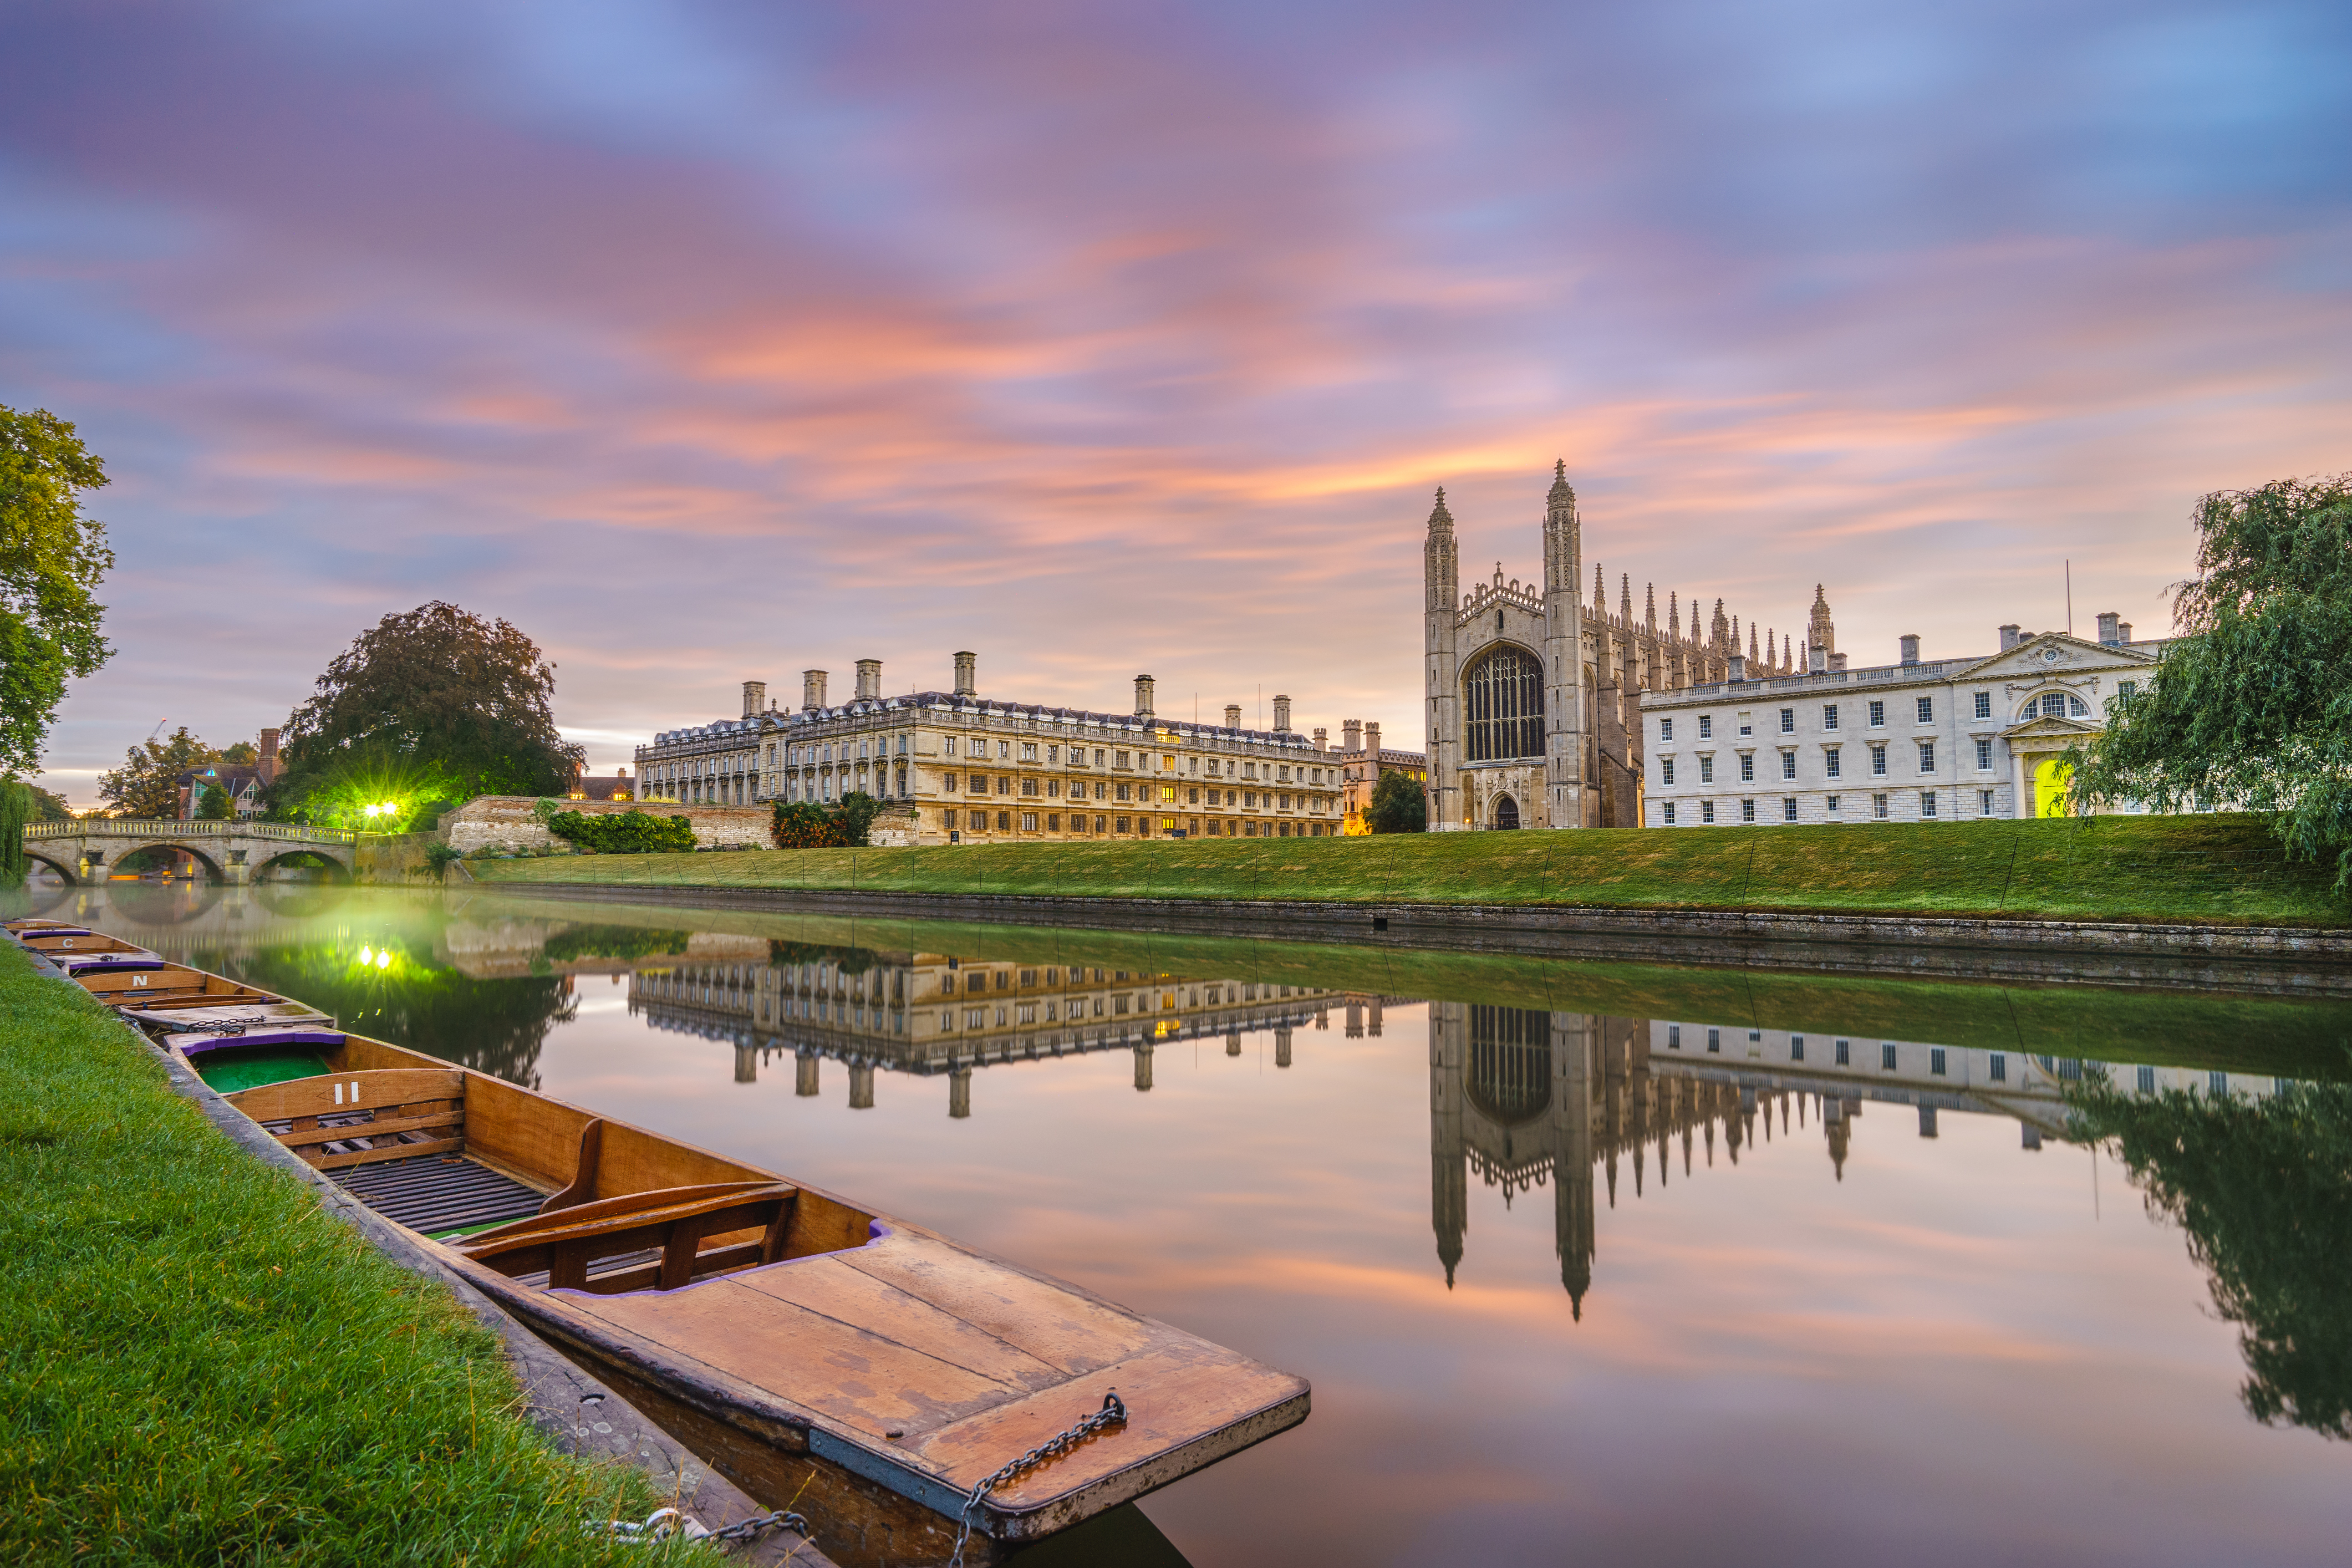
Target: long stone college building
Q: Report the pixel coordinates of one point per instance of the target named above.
(979, 768)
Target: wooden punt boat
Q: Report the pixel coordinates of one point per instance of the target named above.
(857, 1368)
(162, 984)
(59, 943)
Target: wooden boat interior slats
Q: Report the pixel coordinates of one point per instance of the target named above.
(436, 1194)
(362, 1118)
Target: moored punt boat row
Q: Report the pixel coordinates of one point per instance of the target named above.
(859, 1369)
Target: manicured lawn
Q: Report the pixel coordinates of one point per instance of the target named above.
(199, 1364)
(2201, 868)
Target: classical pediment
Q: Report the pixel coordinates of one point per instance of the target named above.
(2049, 728)
(2055, 654)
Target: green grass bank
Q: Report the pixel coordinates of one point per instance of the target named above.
(200, 1364)
(2202, 870)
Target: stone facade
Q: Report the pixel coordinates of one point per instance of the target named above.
(510, 822)
(972, 768)
(1914, 740)
(1532, 696)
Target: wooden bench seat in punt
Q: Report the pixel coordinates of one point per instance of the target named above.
(173, 985)
(77, 943)
(746, 1220)
(370, 1112)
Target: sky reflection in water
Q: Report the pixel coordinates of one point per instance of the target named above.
(1961, 1350)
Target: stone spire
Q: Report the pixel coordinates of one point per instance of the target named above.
(1674, 615)
(1822, 634)
(1751, 644)
(1625, 596)
(1718, 631)
(1649, 602)
(1563, 540)
(1734, 645)
(1771, 649)
(1440, 520)
(1599, 593)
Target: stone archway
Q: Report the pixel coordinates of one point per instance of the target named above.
(65, 872)
(213, 873)
(304, 858)
(1507, 813)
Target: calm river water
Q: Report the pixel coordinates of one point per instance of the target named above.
(1592, 1262)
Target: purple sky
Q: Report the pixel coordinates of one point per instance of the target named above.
(712, 343)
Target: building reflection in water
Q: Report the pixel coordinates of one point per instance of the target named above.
(1526, 1099)
(932, 1014)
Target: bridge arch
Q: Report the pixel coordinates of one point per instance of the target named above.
(213, 873)
(336, 870)
(61, 867)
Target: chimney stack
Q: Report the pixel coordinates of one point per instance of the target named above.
(269, 763)
(2123, 634)
(1233, 715)
(1282, 715)
(1322, 738)
(1817, 659)
(1837, 664)
(967, 675)
(2011, 636)
(1910, 647)
(813, 688)
(869, 677)
(1372, 740)
(1738, 667)
(755, 697)
(1143, 697)
(2107, 625)
(1352, 735)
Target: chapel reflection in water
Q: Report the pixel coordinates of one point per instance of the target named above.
(1525, 1100)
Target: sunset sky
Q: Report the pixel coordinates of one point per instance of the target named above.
(709, 341)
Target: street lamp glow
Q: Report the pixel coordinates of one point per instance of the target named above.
(375, 811)
(384, 959)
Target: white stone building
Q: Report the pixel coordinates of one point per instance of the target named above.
(1915, 740)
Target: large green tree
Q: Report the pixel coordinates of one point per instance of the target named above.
(1397, 805)
(2253, 706)
(51, 557)
(147, 784)
(2263, 1190)
(435, 704)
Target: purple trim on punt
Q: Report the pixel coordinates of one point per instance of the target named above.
(193, 1045)
(875, 1233)
(51, 931)
(73, 964)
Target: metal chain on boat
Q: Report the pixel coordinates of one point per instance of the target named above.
(1112, 1413)
(665, 1522)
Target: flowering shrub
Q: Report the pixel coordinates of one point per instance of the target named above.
(804, 825)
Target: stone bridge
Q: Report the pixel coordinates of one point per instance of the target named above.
(84, 850)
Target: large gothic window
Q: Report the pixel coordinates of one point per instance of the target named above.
(1510, 1062)
(1503, 706)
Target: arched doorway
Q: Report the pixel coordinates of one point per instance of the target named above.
(1506, 812)
(2050, 779)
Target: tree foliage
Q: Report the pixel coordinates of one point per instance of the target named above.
(2262, 1190)
(805, 824)
(1397, 805)
(623, 832)
(47, 808)
(15, 811)
(434, 704)
(147, 784)
(213, 803)
(2252, 707)
(51, 558)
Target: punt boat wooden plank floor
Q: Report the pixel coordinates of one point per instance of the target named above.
(847, 1364)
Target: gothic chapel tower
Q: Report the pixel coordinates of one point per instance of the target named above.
(1563, 653)
(1440, 574)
